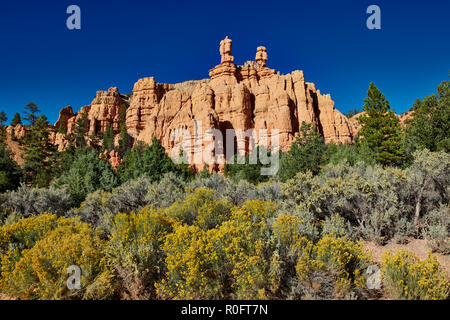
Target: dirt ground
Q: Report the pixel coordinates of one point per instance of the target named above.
(419, 247)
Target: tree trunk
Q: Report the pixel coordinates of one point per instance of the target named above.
(418, 206)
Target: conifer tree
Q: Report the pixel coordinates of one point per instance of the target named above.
(16, 120)
(3, 119)
(10, 172)
(31, 111)
(39, 154)
(124, 138)
(108, 138)
(63, 126)
(380, 128)
(430, 125)
(152, 161)
(80, 130)
(306, 153)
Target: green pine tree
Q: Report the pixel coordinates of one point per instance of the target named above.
(306, 153)
(80, 129)
(86, 174)
(243, 169)
(39, 154)
(124, 137)
(62, 128)
(380, 128)
(10, 172)
(430, 125)
(152, 161)
(3, 119)
(108, 138)
(16, 120)
(31, 111)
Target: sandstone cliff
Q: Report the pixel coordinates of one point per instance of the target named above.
(233, 97)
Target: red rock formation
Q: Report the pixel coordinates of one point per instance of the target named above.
(64, 115)
(112, 157)
(251, 96)
(239, 97)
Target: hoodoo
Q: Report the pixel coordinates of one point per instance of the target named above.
(249, 96)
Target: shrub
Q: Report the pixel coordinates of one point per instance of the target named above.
(195, 265)
(436, 231)
(427, 182)
(246, 239)
(406, 277)
(215, 182)
(239, 191)
(304, 222)
(94, 209)
(335, 225)
(41, 271)
(165, 192)
(229, 261)
(24, 234)
(200, 208)
(269, 191)
(36, 275)
(339, 258)
(287, 228)
(135, 251)
(130, 196)
(31, 201)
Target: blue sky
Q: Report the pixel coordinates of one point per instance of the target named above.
(121, 41)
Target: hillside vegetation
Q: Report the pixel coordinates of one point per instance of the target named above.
(153, 229)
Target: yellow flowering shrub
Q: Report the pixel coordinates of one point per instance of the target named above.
(200, 208)
(41, 273)
(286, 228)
(23, 234)
(195, 265)
(134, 251)
(246, 240)
(345, 260)
(407, 277)
(229, 261)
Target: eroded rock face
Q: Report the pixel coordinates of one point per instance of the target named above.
(235, 97)
(252, 96)
(112, 157)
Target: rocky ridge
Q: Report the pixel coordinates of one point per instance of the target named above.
(251, 96)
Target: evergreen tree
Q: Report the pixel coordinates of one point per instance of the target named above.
(16, 120)
(108, 138)
(124, 137)
(306, 153)
(380, 128)
(39, 153)
(152, 161)
(3, 119)
(246, 170)
(10, 172)
(351, 113)
(352, 153)
(430, 126)
(86, 174)
(63, 126)
(31, 111)
(80, 129)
